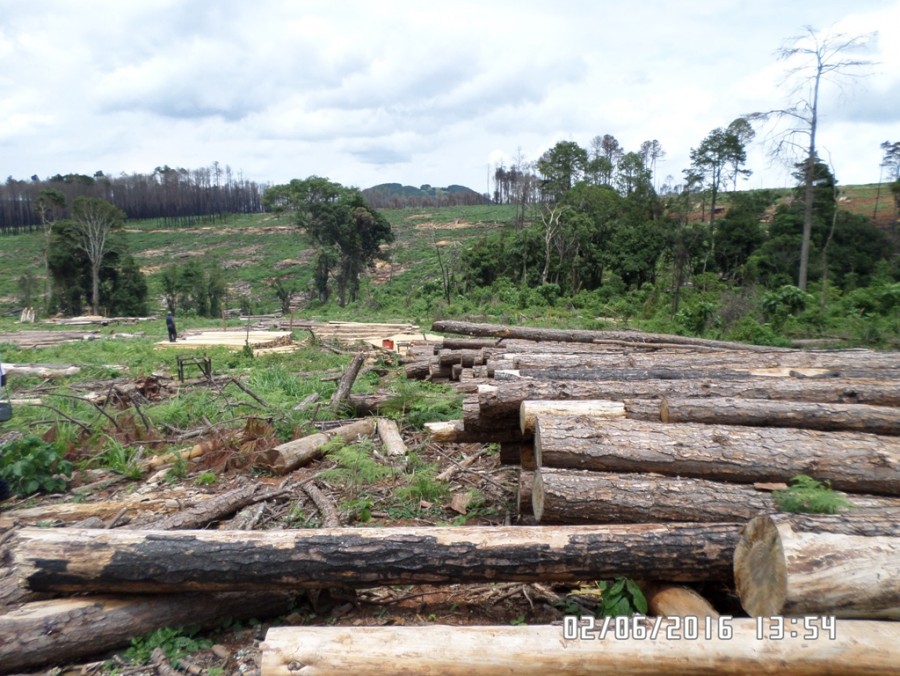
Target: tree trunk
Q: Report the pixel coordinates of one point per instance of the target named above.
(763, 413)
(823, 565)
(390, 436)
(832, 363)
(58, 631)
(666, 600)
(580, 336)
(530, 410)
(578, 496)
(495, 401)
(79, 560)
(691, 372)
(861, 463)
(291, 455)
(860, 648)
(347, 380)
(523, 493)
(467, 358)
(454, 432)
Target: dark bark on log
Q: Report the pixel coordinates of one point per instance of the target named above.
(861, 463)
(765, 413)
(578, 496)
(819, 566)
(470, 343)
(347, 380)
(495, 401)
(369, 404)
(860, 648)
(160, 561)
(417, 370)
(467, 358)
(566, 335)
(58, 631)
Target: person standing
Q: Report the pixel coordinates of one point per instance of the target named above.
(170, 325)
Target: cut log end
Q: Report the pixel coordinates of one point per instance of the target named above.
(537, 496)
(760, 574)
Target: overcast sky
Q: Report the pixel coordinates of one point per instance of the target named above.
(382, 91)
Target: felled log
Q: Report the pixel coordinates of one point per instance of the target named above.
(860, 648)
(58, 631)
(212, 509)
(291, 455)
(495, 401)
(811, 364)
(41, 370)
(467, 358)
(668, 600)
(579, 496)
(347, 380)
(530, 410)
(72, 559)
(851, 461)
(194, 451)
(582, 336)
(523, 493)
(417, 370)
(765, 413)
(390, 436)
(454, 432)
(826, 565)
(70, 512)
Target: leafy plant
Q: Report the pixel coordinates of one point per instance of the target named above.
(30, 464)
(621, 596)
(205, 479)
(176, 642)
(355, 464)
(122, 460)
(807, 495)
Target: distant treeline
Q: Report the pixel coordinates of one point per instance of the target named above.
(180, 197)
(397, 196)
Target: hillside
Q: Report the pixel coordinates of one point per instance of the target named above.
(395, 195)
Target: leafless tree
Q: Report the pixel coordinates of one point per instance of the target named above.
(818, 56)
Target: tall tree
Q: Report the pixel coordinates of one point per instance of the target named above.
(562, 167)
(346, 232)
(50, 205)
(93, 221)
(718, 156)
(819, 56)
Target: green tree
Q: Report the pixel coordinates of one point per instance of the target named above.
(346, 232)
(562, 167)
(93, 221)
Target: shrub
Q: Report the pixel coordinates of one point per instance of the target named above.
(31, 464)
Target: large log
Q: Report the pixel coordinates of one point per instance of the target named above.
(454, 432)
(389, 433)
(72, 559)
(686, 373)
(765, 413)
(496, 401)
(530, 410)
(291, 455)
(581, 336)
(579, 496)
(837, 566)
(58, 631)
(859, 648)
(668, 600)
(829, 364)
(855, 462)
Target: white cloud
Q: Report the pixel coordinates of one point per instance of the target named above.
(407, 91)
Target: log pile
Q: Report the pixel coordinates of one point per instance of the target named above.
(618, 429)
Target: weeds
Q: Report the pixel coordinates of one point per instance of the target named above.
(176, 642)
(31, 464)
(807, 495)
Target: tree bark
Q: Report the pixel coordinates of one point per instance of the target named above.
(819, 565)
(467, 358)
(495, 401)
(692, 372)
(764, 413)
(576, 336)
(347, 380)
(454, 432)
(212, 509)
(580, 497)
(594, 408)
(861, 463)
(830, 363)
(667, 600)
(523, 493)
(860, 648)
(390, 436)
(79, 560)
(58, 631)
(291, 455)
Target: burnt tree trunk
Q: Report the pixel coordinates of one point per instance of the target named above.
(78, 560)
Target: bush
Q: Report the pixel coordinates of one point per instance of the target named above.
(31, 464)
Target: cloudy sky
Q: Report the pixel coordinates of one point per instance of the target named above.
(376, 91)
